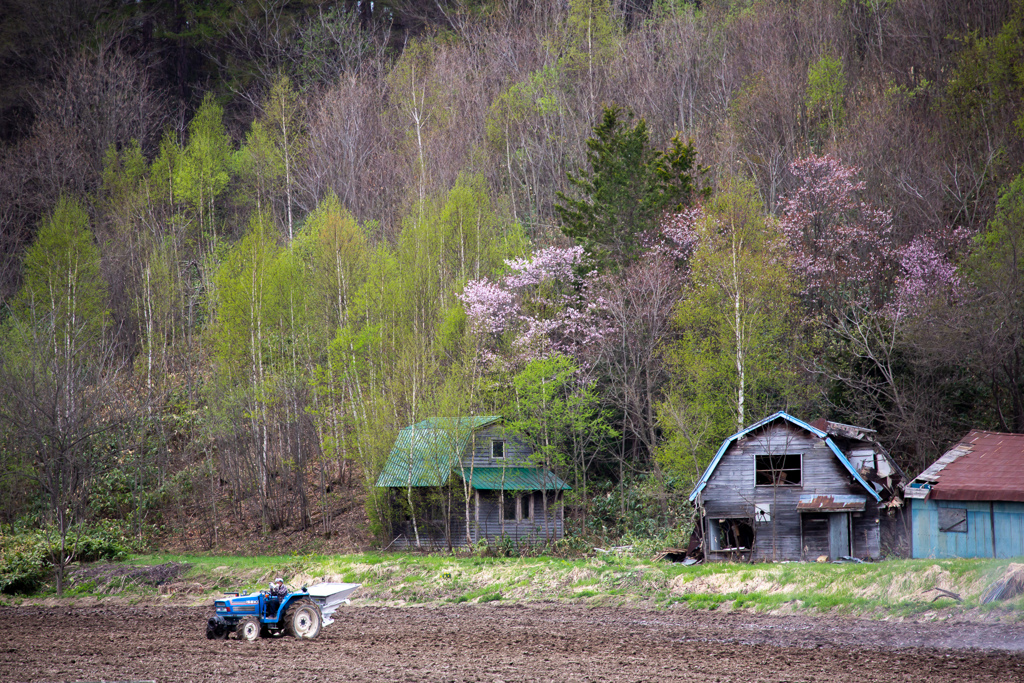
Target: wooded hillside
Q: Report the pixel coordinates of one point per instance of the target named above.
(242, 244)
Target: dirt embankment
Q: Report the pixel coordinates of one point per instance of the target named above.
(504, 643)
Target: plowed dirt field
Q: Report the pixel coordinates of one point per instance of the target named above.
(504, 643)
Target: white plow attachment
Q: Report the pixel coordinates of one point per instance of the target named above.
(330, 596)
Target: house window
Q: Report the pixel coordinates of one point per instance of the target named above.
(524, 505)
(497, 449)
(509, 507)
(778, 469)
(953, 520)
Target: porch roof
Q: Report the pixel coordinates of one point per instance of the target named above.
(513, 479)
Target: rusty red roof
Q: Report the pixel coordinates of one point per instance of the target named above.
(983, 466)
(831, 503)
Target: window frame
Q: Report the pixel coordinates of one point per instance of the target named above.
(502, 449)
(787, 484)
(952, 525)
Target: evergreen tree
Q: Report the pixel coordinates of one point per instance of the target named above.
(627, 190)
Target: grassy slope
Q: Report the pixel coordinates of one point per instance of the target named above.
(884, 589)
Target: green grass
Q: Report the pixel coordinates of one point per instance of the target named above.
(891, 588)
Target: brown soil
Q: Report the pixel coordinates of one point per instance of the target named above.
(503, 643)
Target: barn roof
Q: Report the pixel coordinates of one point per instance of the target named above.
(781, 415)
(424, 453)
(983, 466)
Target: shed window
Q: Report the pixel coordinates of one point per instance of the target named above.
(778, 469)
(953, 520)
(508, 507)
(524, 505)
(731, 534)
(497, 449)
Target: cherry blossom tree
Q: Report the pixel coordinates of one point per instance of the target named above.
(546, 303)
(928, 273)
(865, 298)
(842, 247)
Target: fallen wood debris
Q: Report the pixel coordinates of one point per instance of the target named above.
(616, 549)
(943, 593)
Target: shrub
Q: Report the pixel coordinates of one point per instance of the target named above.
(23, 566)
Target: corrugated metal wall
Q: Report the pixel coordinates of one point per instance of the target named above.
(1002, 521)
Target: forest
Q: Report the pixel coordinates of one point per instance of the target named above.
(242, 244)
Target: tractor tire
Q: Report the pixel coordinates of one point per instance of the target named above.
(271, 632)
(302, 619)
(248, 629)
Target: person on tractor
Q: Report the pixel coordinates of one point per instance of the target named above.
(278, 592)
(278, 589)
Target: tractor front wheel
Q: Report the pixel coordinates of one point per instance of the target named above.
(302, 619)
(248, 629)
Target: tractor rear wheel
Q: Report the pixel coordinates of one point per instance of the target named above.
(302, 619)
(248, 629)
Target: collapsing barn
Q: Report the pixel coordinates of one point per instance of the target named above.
(783, 489)
(507, 494)
(970, 502)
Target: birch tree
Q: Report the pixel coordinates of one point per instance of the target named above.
(736, 325)
(57, 371)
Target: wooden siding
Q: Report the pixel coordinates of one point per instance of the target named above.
(731, 493)
(866, 531)
(1003, 522)
(487, 524)
(478, 450)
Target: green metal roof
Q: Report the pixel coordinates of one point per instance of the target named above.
(513, 479)
(430, 449)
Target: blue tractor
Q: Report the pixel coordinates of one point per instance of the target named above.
(301, 614)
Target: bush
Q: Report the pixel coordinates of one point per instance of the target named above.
(645, 507)
(27, 556)
(23, 565)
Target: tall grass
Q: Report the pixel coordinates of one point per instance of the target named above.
(890, 588)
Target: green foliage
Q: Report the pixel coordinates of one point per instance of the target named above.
(986, 87)
(27, 555)
(123, 174)
(590, 35)
(736, 356)
(550, 407)
(641, 511)
(202, 169)
(627, 189)
(995, 270)
(23, 566)
(826, 84)
(63, 293)
(245, 302)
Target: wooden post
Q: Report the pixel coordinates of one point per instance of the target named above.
(476, 515)
(992, 520)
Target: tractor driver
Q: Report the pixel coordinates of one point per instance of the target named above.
(278, 592)
(278, 589)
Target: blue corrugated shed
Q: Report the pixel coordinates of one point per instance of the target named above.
(992, 529)
(968, 503)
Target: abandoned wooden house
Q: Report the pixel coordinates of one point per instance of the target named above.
(970, 502)
(455, 481)
(783, 489)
